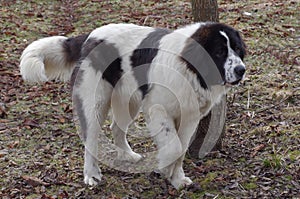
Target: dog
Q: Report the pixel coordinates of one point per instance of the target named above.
(174, 76)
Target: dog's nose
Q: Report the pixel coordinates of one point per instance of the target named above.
(239, 71)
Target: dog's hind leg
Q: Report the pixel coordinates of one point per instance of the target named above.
(124, 150)
(92, 106)
(123, 117)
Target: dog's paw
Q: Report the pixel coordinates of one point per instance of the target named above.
(128, 156)
(92, 181)
(135, 157)
(180, 183)
(92, 176)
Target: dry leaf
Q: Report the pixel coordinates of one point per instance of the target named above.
(34, 181)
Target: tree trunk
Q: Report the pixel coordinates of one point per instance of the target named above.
(210, 131)
(211, 128)
(205, 10)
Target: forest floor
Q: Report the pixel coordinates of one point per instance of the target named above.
(41, 154)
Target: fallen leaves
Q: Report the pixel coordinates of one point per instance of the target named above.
(3, 112)
(30, 123)
(13, 144)
(3, 153)
(257, 149)
(34, 181)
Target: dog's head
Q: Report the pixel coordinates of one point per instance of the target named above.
(226, 48)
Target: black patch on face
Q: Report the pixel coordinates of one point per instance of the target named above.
(215, 45)
(80, 113)
(237, 44)
(143, 56)
(105, 58)
(72, 47)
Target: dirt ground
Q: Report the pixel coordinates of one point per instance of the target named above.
(41, 154)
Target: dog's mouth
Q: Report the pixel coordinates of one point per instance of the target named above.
(232, 83)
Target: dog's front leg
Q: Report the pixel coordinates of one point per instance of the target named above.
(186, 130)
(164, 133)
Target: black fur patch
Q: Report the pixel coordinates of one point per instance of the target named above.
(72, 47)
(215, 45)
(76, 77)
(80, 113)
(105, 58)
(143, 56)
(189, 54)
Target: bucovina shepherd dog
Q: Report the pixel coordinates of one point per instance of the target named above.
(174, 77)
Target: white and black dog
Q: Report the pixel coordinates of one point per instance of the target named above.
(175, 77)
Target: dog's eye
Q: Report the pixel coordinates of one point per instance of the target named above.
(221, 53)
(238, 50)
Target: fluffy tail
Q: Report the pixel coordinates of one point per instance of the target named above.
(51, 58)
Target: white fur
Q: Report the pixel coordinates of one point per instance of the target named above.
(45, 60)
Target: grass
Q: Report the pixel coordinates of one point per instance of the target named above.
(261, 153)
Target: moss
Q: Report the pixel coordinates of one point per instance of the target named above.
(250, 185)
(294, 155)
(274, 161)
(206, 182)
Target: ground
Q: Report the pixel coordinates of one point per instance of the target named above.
(41, 152)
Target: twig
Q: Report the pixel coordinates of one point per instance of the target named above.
(248, 101)
(150, 16)
(276, 104)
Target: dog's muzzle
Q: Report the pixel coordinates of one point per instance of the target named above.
(239, 72)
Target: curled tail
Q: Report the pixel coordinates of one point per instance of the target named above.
(51, 58)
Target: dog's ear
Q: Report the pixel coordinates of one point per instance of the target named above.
(202, 34)
(243, 47)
